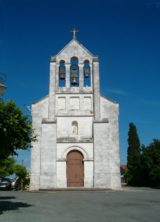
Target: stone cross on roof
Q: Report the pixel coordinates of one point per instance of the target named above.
(74, 31)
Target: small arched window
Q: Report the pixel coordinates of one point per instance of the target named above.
(74, 72)
(75, 128)
(87, 73)
(62, 73)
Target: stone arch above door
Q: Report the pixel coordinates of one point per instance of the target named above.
(80, 149)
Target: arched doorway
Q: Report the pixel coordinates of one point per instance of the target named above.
(75, 169)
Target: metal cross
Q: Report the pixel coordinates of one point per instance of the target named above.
(74, 31)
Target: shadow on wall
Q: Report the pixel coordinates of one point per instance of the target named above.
(6, 204)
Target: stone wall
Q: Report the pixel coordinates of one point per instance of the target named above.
(39, 111)
(48, 156)
(75, 118)
(84, 128)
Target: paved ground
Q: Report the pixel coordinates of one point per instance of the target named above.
(139, 205)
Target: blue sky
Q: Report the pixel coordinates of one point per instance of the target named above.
(125, 34)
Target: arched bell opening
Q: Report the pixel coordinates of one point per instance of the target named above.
(62, 74)
(87, 73)
(74, 72)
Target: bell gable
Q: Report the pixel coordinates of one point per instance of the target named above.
(74, 49)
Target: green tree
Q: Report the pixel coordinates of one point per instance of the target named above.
(20, 170)
(150, 165)
(7, 167)
(15, 129)
(133, 156)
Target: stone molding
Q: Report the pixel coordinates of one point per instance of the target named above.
(106, 120)
(78, 148)
(47, 121)
(74, 140)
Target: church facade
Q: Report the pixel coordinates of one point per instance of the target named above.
(77, 129)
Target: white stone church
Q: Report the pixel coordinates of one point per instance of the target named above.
(77, 129)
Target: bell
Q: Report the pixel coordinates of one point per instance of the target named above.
(61, 76)
(62, 73)
(74, 73)
(86, 72)
(74, 81)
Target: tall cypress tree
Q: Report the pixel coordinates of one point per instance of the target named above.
(133, 156)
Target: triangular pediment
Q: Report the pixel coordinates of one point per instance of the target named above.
(74, 48)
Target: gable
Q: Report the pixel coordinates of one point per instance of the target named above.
(74, 48)
(109, 109)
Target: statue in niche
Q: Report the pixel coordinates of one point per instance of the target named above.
(74, 128)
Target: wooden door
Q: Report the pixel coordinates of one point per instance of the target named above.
(75, 169)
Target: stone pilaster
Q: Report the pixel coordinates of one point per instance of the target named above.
(48, 156)
(115, 156)
(52, 89)
(96, 88)
(67, 75)
(91, 77)
(81, 76)
(102, 157)
(35, 166)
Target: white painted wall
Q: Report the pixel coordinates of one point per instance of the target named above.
(39, 111)
(65, 130)
(74, 104)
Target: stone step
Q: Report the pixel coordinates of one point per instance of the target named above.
(76, 189)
